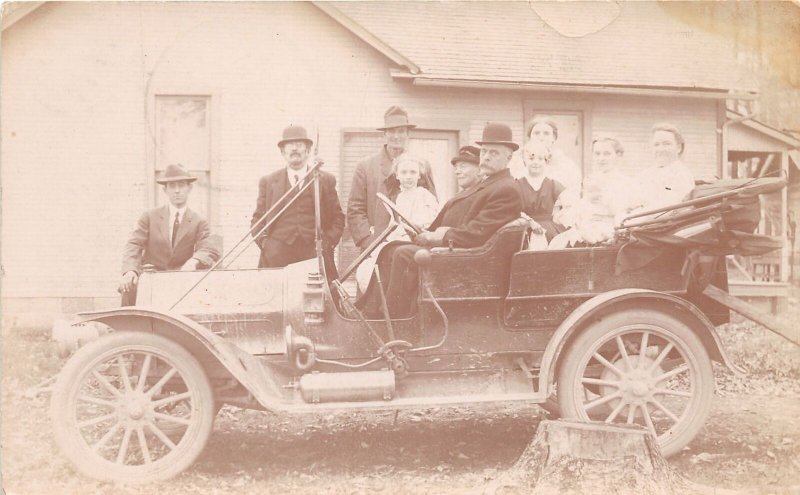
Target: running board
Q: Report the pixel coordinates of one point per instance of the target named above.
(410, 402)
(749, 311)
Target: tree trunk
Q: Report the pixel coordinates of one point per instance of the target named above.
(591, 458)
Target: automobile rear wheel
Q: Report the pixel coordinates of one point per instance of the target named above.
(639, 367)
(119, 402)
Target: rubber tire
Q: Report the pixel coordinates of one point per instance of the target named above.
(679, 333)
(71, 377)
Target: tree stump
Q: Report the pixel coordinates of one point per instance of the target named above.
(590, 458)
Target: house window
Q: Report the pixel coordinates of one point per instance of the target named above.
(572, 121)
(437, 147)
(183, 135)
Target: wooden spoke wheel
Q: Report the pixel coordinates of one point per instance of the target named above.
(639, 367)
(132, 407)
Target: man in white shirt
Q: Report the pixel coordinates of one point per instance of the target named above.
(171, 237)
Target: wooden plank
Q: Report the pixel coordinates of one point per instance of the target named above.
(749, 311)
(738, 288)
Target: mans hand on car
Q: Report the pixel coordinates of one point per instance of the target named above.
(190, 265)
(128, 281)
(432, 239)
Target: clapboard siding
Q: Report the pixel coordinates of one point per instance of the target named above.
(632, 118)
(79, 82)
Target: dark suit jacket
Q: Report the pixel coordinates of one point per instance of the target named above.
(150, 242)
(474, 214)
(270, 189)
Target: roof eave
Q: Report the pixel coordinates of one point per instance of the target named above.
(20, 10)
(369, 38)
(765, 129)
(456, 82)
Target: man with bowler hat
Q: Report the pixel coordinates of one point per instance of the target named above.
(291, 237)
(171, 237)
(467, 220)
(366, 218)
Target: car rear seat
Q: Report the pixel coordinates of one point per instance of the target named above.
(475, 273)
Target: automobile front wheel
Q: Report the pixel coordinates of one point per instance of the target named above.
(117, 402)
(639, 367)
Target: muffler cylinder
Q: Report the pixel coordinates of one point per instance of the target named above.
(349, 386)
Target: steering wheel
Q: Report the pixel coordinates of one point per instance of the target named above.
(399, 217)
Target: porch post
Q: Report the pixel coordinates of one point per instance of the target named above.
(784, 221)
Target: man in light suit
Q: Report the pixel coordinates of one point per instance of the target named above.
(291, 237)
(170, 237)
(366, 218)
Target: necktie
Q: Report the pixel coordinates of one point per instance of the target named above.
(296, 179)
(175, 226)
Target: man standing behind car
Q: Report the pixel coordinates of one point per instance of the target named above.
(291, 237)
(467, 220)
(365, 217)
(170, 237)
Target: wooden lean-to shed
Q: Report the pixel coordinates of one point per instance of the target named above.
(754, 149)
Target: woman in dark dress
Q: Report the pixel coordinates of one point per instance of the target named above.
(539, 193)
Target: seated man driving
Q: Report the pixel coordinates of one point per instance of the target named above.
(467, 220)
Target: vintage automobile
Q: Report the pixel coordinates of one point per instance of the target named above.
(623, 333)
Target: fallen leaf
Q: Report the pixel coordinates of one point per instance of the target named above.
(701, 457)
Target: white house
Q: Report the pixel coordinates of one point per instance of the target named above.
(97, 97)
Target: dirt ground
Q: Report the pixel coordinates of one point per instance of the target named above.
(751, 442)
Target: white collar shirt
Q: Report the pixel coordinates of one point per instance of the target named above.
(181, 212)
(535, 182)
(295, 175)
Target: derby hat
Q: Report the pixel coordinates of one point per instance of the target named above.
(395, 116)
(498, 133)
(175, 173)
(295, 133)
(469, 154)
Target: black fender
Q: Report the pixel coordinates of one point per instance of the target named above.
(608, 301)
(209, 348)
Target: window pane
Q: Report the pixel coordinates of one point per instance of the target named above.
(183, 135)
(438, 153)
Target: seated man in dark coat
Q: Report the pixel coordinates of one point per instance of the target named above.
(468, 220)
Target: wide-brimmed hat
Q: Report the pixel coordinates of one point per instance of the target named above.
(174, 173)
(498, 133)
(469, 154)
(395, 116)
(295, 133)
